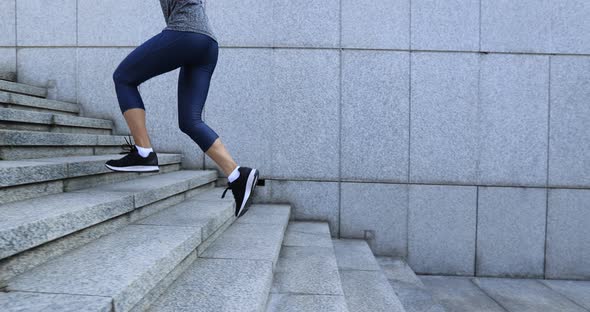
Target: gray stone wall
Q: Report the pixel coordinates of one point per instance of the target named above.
(454, 133)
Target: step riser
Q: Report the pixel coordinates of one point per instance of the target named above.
(37, 109)
(206, 243)
(36, 105)
(54, 129)
(16, 145)
(26, 152)
(26, 260)
(160, 288)
(34, 190)
(41, 170)
(18, 119)
(8, 76)
(20, 88)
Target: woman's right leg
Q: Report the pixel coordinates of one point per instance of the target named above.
(193, 86)
(154, 57)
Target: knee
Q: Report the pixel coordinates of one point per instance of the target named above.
(120, 76)
(117, 76)
(188, 127)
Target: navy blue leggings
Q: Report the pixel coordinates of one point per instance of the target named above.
(195, 54)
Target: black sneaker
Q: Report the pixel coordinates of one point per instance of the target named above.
(133, 161)
(242, 188)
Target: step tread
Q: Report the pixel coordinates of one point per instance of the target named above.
(17, 172)
(48, 118)
(577, 291)
(37, 138)
(307, 277)
(39, 103)
(258, 237)
(238, 283)
(125, 265)
(29, 223)
(526, 295)
(209, 203)
(364, 284)
(22, 88)
(409, 288)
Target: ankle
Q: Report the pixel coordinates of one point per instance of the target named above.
(234, 175)
(144, 151)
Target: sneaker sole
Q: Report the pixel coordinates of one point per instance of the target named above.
(134, 168)
(250, 185)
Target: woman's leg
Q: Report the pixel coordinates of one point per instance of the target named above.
(135, 118)
(221, 157)
(156, 56)
(193, 87)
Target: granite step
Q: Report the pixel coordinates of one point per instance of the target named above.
(16, 144)
(459, 294)
(307, 277)
(19, 119)
(22, 88)
(31, 178)
(37, 230)
(32, 302)
(9, 76)
(365, 286)
(576, 291)
(526, 295)
(234, 273)
(412, 293)
(466, 294)
(131, 266)
(31, 103)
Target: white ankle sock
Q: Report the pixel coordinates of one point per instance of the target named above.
(234, 175)
(143, 151)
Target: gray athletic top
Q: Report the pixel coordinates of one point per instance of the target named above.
(186, 15)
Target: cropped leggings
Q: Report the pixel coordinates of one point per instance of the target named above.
(195, 54)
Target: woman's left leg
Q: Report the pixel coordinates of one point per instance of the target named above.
(160, 54)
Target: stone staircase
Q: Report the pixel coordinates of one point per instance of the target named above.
(75, 236)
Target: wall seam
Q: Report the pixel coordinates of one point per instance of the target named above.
(76, 22)
(476, 229)
(584, 55)
(564, 187)
(340, 58)
(407, 221)
(477, 159)
(547, 165)
(76, 83)
(480, 18)
(479, 114)
(409, 93)
(16, 39)
(271, 109)
(409, 127)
